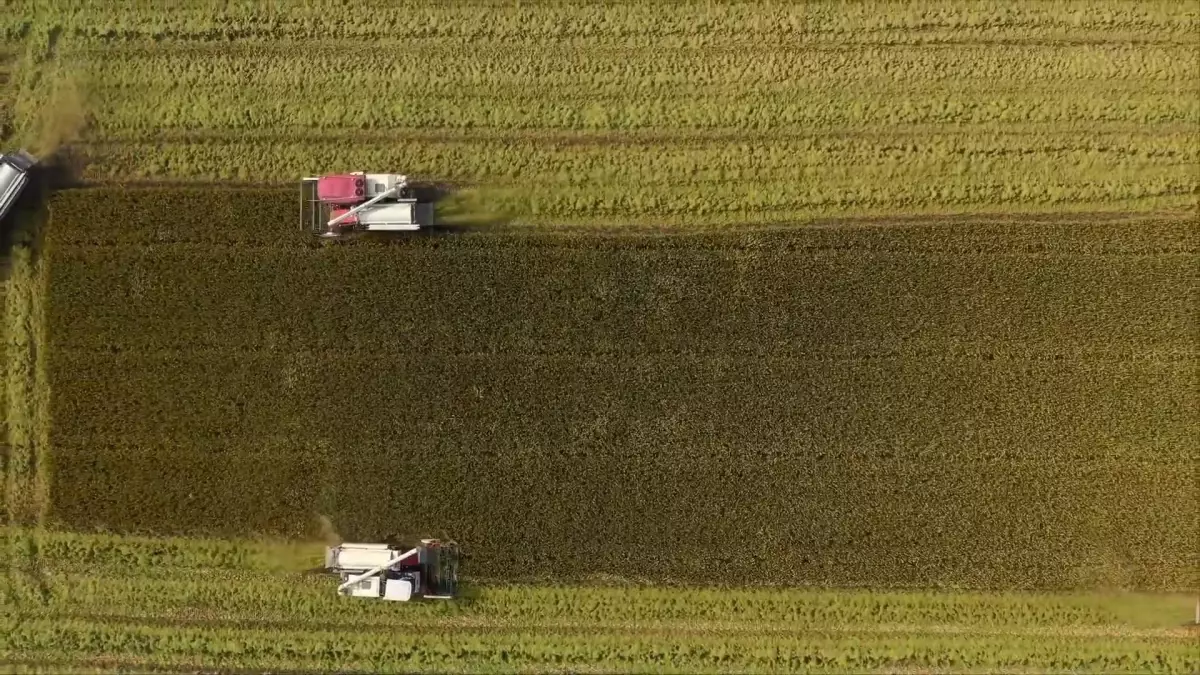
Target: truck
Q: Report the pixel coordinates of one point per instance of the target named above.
(14, 174)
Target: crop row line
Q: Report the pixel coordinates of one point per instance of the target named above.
(567, 628)
(527, 651)
(1103, 136)
(952, 351)
(220, 447)
(220, 247)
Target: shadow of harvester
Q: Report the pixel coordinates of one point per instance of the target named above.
(21, 226)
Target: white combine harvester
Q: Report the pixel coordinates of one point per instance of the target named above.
(428, 570)
(14, 170)
(343, 204)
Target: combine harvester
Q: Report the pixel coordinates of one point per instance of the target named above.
(340, 205)
(14, 174)
(429, 570)
(333, 207)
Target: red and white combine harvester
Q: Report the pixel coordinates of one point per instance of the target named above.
(351, 203)
(428, 570)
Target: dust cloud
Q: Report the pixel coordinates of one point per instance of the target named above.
(61, 122)
(327, 532)
(474, 207)
(303, 555)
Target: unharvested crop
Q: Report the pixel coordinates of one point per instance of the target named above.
(844, 398)
(1005, 404)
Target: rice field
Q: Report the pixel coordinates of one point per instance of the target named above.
(165, 605)
(910, 405)
(635, 113)
(773, 336)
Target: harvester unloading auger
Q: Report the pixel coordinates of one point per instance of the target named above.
(428, 570)
(344, 204)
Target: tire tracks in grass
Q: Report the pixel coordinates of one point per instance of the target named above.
(8, 60)
(46, 106)
(25, 457)
(115, 137)
(568, 628)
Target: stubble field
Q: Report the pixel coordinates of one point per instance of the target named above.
(784, 337)
(689, 114)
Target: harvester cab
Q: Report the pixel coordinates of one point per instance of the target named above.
(428, 570)
(345, 204)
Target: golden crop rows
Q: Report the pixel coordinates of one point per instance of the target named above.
(539, 105)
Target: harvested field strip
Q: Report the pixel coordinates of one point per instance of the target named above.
(174, 603)
(206, 568)
(938, 108)
(673, 71)
(206, 599)
(511, 202)
(877, 406)
(587, 157)
(533, 651)
(24, 453)
(750, 23)
(1114, 136)
(239, 108)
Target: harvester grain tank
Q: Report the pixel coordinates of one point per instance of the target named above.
(14, 173)
(428, 570)
(339, 205)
